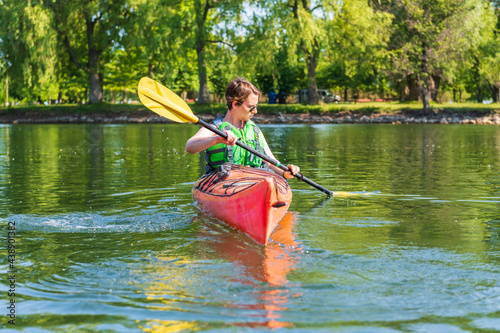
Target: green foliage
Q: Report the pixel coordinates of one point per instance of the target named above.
(431, 40)
(90, 31)
(357, 54)
(28, 49)
(50, 49)
(284, 75)
(124, 70)
(219, 80)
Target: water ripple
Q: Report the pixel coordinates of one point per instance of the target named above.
(100, 223)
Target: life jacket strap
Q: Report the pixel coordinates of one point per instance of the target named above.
(215, 151)
(257, 142)
(229, 154)
(229, 150)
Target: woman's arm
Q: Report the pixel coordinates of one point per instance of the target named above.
(204, 139)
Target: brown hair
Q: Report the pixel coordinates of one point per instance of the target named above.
(238, 90)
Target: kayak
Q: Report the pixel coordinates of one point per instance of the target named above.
(250, 200)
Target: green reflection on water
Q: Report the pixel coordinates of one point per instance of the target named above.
(57, 168)
(106, 222)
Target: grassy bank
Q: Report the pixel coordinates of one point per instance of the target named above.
(58, 109)
(368, 108)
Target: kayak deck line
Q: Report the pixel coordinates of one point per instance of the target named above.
(207, 182)
(247, 199)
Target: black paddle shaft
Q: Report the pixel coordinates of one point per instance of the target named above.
(299, 176)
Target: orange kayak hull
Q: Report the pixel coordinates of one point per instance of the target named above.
(250, 200)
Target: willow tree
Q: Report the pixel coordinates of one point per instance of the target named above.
(89, 29)
(486, 57)
(158, 33)
(28, 48)
(4, 84)
(356, 53)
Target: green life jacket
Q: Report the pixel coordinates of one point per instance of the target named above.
(220, 153)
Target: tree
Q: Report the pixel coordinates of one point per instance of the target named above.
(487, 64)
(213, 25)
(27, 48)
(285, 74)
(123, 71)
(159, 33)
(307, 27)
(89, 29)
(306, 24)
(4, 85)
(429, 35)
(356, 56)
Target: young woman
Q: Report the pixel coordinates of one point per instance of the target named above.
(242, 100)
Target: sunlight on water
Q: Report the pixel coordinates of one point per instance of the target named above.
(109, 239)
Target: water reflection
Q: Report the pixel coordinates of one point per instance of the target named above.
(264, 268)
(261, 269)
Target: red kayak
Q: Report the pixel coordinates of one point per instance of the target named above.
(250, 200)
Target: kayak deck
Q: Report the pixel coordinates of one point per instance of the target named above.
(247, 199)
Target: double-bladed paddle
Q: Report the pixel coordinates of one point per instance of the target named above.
(168, 104)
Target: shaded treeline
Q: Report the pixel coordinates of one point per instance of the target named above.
(95, 51)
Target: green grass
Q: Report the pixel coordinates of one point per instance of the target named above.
(76, 108)
(368, 108)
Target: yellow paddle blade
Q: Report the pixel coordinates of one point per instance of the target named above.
(164, 102)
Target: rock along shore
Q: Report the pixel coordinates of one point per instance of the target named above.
(439, 117)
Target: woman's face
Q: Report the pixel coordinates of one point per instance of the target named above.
(246, 110)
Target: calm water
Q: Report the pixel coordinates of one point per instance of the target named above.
(108, 238)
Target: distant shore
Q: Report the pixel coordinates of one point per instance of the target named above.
(267, 115)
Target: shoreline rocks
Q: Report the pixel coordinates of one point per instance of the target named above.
(350, 118)
(444, 117)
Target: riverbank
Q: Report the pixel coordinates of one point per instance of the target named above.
(280, 114)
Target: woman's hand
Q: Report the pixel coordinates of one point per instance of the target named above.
(231, 138)
(293, 171)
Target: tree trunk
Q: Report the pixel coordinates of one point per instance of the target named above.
(435, 82)
(312, 64)
(201, 16)
(495, 92)
(345, 94)
(424, 94)
(150, 68)
(423, 80)
(95, 80)
(413, 89)
(7, 89)
(59, 98)
(95, 94)
(479, 92)
(124, 96)
(113, 100)
(204, 95)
